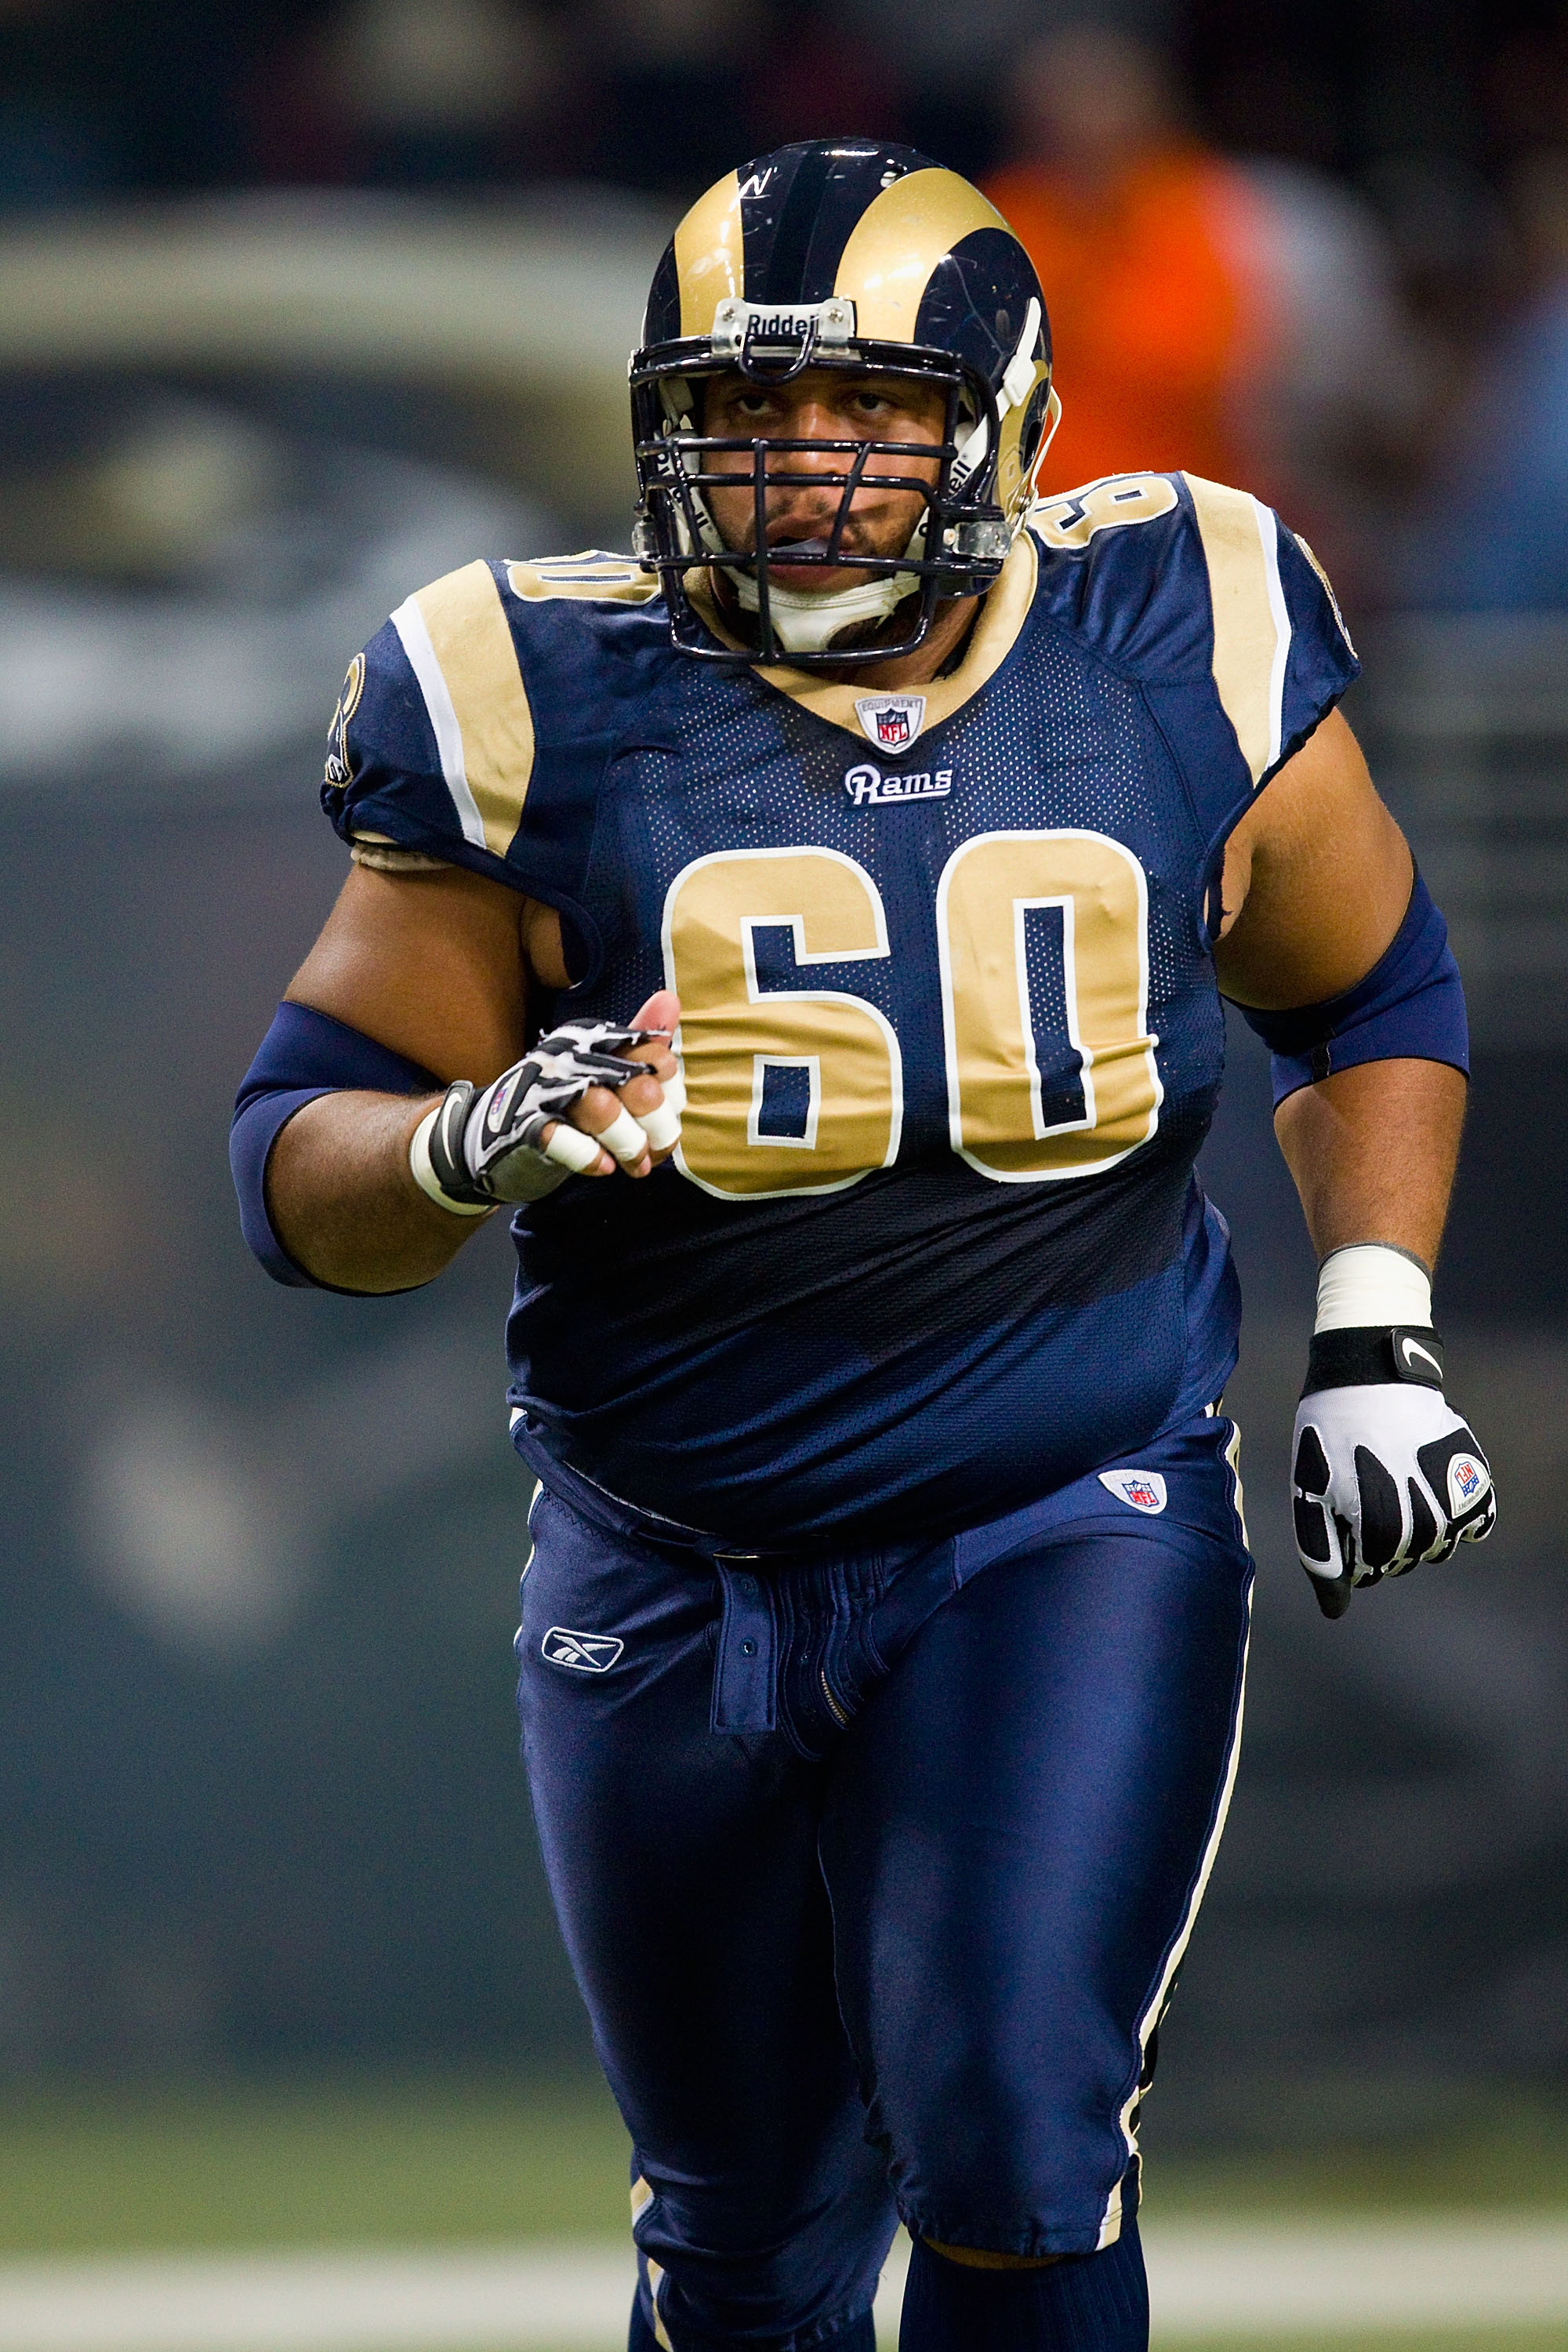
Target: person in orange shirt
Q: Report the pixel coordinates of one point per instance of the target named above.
(1137, 233)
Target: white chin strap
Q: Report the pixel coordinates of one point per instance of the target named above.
(807, 623)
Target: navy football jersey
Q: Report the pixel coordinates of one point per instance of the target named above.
(933, 1244)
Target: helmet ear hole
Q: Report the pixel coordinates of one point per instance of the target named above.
(1033, 425)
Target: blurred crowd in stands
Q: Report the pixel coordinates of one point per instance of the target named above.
(1320, 249)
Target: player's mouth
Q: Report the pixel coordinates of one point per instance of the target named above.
(791, 555)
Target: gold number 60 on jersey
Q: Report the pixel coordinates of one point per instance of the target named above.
(732, 1031)
(995, 1113)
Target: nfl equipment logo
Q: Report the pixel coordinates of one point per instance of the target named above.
(1467, 1479)
(891, 720)
(1143, 1490)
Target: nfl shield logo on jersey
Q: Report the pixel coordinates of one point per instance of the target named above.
(1144, 1489)
(891, 720)
(591, 1653)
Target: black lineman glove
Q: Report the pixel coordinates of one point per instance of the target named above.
(1385, 1474)
(483, 1145)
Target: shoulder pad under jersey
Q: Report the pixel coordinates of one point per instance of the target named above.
(477, 724)
(1179, 582)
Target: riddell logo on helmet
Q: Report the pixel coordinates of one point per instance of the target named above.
(782, 326)
(738, 325)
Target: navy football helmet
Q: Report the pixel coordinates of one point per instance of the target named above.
(851, 254)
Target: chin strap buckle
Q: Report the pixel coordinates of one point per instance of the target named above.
(984, 540)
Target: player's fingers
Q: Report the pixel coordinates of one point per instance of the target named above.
(662, 1011)
(602, 1114)
(657, 1102)
(656, 1051)
(662, 1126)
(568, 1146)
(643, 1095)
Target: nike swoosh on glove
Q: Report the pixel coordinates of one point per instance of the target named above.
(1386, 1473)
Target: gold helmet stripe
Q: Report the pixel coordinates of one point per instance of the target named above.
(710, 255)
(896, 245)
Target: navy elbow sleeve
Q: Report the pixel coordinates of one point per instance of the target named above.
(303, 1055)
(1410, 1007)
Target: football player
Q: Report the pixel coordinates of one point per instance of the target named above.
(814, 927)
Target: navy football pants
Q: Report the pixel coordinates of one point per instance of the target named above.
(901, 1954)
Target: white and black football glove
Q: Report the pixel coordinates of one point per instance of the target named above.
(481, 1146)
(1385, 1472)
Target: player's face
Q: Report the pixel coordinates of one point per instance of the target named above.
(822, 404)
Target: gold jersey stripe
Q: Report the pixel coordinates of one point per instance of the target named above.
(1233, 1455)
(1328, 587)
(478, 661)
(710, 256)
(591, 578)
(1251, 632)
(897, 243)
(654, 2281)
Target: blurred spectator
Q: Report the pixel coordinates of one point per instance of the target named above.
(1451, 241)
(1258, 102)
(952, 63)
(1340, 384)
(679, 85)
(55, 143)
(1132, 227)
(822, 77)
(1495, 533)
(95, 96)
(1239, 319)
(416, 93)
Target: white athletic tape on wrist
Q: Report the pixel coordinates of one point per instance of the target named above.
(425, 1175)
(623, 1139)
(570, 1148)
(1370, 1283)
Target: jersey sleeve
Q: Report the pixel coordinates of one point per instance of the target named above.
(432, 746)
(1224, 617)
(1281, 656)
(475, 728)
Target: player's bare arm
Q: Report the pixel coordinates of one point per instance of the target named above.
(1318, 893)
(1317, 881)
(437, 967)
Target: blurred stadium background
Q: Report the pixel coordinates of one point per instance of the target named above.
(301, 304)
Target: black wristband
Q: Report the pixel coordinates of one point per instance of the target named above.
(1374, 1356)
